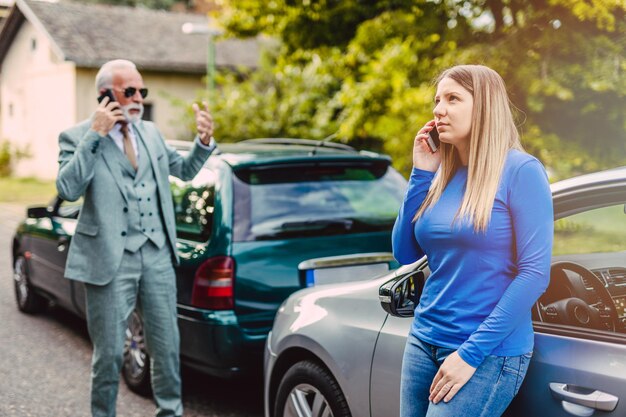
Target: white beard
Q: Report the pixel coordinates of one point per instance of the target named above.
(133, 118)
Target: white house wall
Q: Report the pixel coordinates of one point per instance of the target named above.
(164, 88)
(38, 101)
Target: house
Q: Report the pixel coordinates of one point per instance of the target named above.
(5, 6)
(50, 53)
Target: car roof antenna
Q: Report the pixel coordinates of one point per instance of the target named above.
(323, 142)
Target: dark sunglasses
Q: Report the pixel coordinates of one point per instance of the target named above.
(130, 91)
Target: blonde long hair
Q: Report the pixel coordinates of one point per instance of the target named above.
(492, 135)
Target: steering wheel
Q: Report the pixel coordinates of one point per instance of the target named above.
(572, 310)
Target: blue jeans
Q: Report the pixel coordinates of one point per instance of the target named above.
(487, 394)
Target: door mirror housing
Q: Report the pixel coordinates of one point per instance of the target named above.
(400, 295)
(38, 212)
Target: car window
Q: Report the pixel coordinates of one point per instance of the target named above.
(316, 200)
(593, 231)
(587, 287)
(194, 203)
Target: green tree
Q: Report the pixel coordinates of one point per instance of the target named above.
(369, 72)
(565, 70)
(306, 24)
(279, 99)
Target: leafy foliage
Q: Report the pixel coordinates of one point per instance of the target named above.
(363, 70)
(9, 156)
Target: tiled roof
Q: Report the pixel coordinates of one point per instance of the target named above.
(91, 34)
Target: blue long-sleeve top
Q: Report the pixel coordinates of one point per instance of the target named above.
(482, 286)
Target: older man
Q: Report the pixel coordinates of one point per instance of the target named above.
(124, 245)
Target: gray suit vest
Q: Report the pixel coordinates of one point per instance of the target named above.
(144, 216)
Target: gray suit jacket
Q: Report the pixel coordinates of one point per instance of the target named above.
(88, 167)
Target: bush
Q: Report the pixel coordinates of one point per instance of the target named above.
(9, 155)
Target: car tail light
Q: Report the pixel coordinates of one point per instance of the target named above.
(213, 284)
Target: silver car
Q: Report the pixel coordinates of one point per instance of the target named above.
(336, 349)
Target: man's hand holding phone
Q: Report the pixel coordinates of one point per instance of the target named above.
(424, 157)
(107, 114)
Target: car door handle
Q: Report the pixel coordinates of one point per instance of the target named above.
(62, 243)
(583, 396)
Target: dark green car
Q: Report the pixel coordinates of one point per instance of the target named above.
(255, 211)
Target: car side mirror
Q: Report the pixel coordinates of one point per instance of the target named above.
(38, 212)
(400, 296)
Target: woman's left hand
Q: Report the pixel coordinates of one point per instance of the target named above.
(453, 373)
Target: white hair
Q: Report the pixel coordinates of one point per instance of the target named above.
(104, 78)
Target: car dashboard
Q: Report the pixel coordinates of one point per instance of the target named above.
(585, 292)
(614, 279)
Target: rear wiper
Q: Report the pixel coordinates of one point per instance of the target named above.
(306, 227)
(316, 224)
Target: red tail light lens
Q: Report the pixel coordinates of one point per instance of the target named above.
(213, 284)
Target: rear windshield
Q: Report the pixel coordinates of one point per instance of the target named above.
(316, 200)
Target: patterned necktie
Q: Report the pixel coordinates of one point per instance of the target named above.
(128, 147)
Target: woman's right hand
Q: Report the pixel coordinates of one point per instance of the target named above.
(423, 157)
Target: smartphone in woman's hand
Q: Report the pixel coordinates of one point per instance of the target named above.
(433, 139)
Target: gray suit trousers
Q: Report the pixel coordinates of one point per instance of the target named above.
(145, 280)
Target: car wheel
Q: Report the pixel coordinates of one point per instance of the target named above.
(136, 367)
(308, 389)
(28, 301)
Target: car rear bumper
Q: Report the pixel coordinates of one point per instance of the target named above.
(213, 342)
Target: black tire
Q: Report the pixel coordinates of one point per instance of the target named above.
(304, 383)
(136, 365)
(28, 300)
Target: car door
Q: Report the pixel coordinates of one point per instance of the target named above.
(386, 367)
(578, 366)
(48, 242)
(572, 376)
(389, 349)
(567, 370)
(579, 360)
(65, 219)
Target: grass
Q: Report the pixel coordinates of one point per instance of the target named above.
(27, 191)
(593, 231)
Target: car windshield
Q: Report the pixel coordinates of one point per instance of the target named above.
(316, 200)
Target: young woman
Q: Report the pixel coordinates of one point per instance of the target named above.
(480, 208)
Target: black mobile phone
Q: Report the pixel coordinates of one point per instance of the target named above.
(433, 139)
(107, 93)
